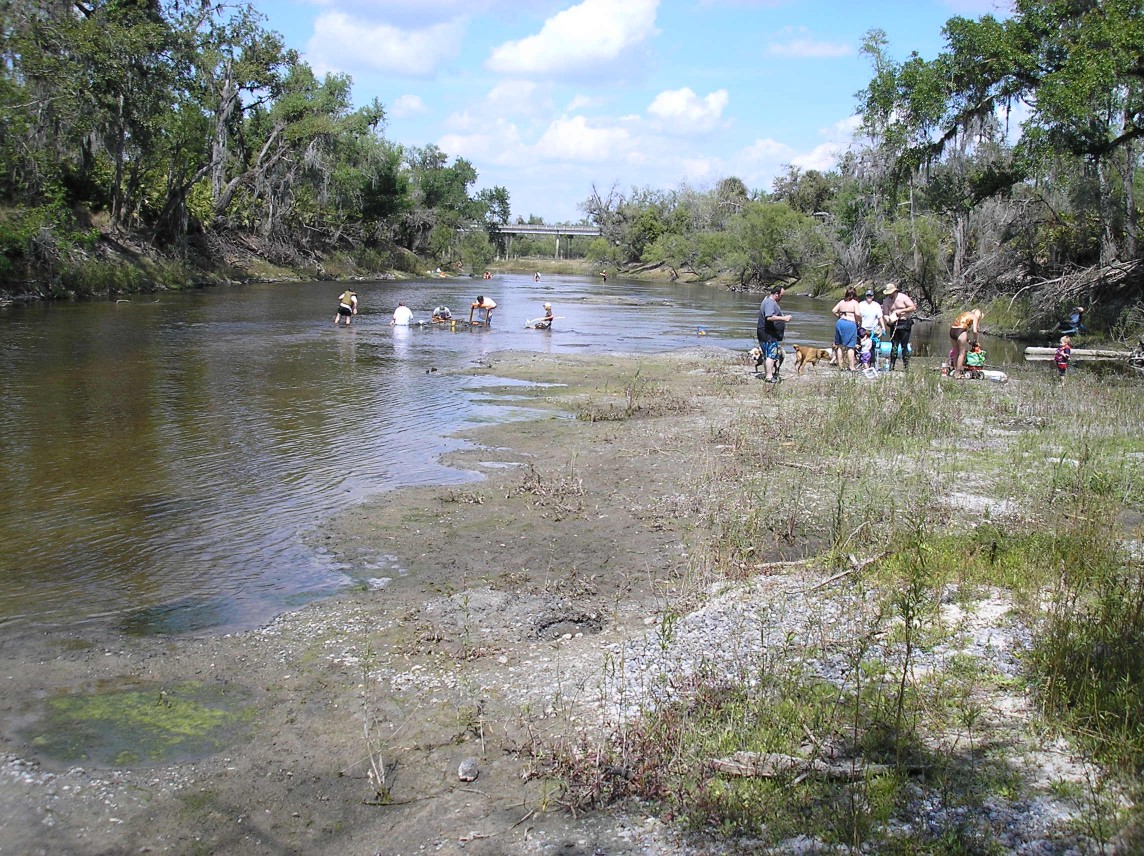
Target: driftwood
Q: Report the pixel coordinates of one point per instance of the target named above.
(1034, 353)
(767, 765)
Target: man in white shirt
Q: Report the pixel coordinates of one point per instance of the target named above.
(402, 315)
(870, 314)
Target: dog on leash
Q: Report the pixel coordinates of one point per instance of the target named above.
(804, 354)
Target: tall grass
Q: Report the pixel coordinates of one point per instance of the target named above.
(940, 490)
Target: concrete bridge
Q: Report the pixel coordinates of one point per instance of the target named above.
(527, 229)
(570, 232)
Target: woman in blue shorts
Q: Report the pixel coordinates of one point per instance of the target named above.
(846, 327)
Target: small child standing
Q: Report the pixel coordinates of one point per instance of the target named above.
(865, 348)
(1061, 357)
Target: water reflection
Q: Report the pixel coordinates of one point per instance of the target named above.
(163, 453)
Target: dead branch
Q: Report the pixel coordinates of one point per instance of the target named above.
(767, 765)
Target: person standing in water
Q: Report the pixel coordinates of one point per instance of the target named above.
(347, 307)
(402, 315)
(485, 306)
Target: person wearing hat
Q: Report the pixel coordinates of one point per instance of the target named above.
(898, 310)
(870, 320)
(545, 323)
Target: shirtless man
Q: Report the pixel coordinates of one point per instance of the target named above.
(898, 310)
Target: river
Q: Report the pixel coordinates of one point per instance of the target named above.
(162, 459)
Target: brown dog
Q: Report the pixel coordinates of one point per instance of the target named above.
(804, 354)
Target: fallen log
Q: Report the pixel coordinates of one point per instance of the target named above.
(766, 765)
(1035, 353)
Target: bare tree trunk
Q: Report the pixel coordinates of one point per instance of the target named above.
(1108, 245)
(1131, 219)
(117, 189)
(228, 98)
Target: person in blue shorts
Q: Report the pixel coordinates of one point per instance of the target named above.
(846, 311)
(770, 329)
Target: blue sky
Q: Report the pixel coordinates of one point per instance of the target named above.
(550, 97)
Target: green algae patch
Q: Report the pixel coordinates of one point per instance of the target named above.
(142, 725)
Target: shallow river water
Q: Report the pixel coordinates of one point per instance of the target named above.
(162, 460)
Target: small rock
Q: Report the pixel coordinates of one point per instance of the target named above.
(468, 770)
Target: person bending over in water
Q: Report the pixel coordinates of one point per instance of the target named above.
(484, 306)
(347, 307)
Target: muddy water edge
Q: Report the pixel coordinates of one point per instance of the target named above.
(340, 727)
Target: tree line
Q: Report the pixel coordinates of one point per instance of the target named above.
(1008, 165)
(176, 122)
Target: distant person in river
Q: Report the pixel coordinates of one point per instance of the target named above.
(347, 307)
(604, 274)
(442, 313)
(1074, 324)
(545, 323)
(965, 327)
(537, 277)
(898, 310)
(482, 308)
(402, 315)
(846, 311)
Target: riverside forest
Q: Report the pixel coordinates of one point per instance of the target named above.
(153, 144)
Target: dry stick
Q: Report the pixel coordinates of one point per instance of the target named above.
(856, 565)
(765, 765)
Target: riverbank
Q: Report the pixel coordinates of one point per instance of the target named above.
(672, 564)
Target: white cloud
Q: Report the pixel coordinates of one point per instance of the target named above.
(700, 169)
(976, 8)
(340, 42)
(415, 14)
(822, 157)
(808, 48)
(767, 150)
(520, 98)
(580, 38)
(498, 143)
(580, 102)
(682, 111)
(575, 140)
(406, 105)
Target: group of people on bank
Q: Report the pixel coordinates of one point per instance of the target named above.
(480, 313)
(865, 328)
(859, 329)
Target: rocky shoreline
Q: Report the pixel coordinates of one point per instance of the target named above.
(559, 597)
